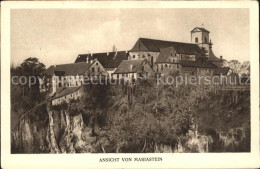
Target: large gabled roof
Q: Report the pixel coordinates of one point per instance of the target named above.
(221, 71)
(71, 69)
(124, 66)
(153, 45)
(164, 55)
(199, 64)
(198, 29)
(66, 91)
(108, 59)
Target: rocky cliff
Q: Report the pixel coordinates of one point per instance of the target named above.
(218, 124)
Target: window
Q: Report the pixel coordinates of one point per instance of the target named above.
(93, 69)
(143, 56)
(118, 76)
(206, 40)
(171, 54)
(175, 54)
(142, 68)
(161, 67)
(133, 56)
(177, 66)
(97, 63)
(196, 40)
(98, 70)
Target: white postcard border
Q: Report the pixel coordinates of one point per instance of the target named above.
(170, 160)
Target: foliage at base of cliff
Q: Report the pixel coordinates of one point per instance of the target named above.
(223, 113)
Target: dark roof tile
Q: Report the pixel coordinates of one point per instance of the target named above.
(124, 66)
(164, 55)
(68, 69)
(153, 45)
(199, 64)
(221, 70)
(108, 60)
(66, 91)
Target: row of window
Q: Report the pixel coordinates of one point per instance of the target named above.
(166, 65)
(142, 56)
(93, 69)
(197, 40)
(71, 96)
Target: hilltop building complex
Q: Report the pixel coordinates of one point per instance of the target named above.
(147, 57)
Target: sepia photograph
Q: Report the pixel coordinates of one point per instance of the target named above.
(130, 81)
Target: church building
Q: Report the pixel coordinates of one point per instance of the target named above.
(167, 56)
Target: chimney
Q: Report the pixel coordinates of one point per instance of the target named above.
(221, 57)
(131, 67)
(115, 55)
(54, 65)
(87, 59)
(107, 53)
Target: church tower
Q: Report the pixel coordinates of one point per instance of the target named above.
(200, 36)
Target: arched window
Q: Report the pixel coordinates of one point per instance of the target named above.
(206, 40)
(196, 40)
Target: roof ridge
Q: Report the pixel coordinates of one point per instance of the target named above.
(103, 52)
(70, 64)
(167, 41)
(135, 59)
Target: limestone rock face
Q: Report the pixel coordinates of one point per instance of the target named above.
(62, 134)
(28, 138)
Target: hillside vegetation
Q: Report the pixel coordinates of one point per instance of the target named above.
(143, 118)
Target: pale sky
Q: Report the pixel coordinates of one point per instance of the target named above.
(57, 36)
